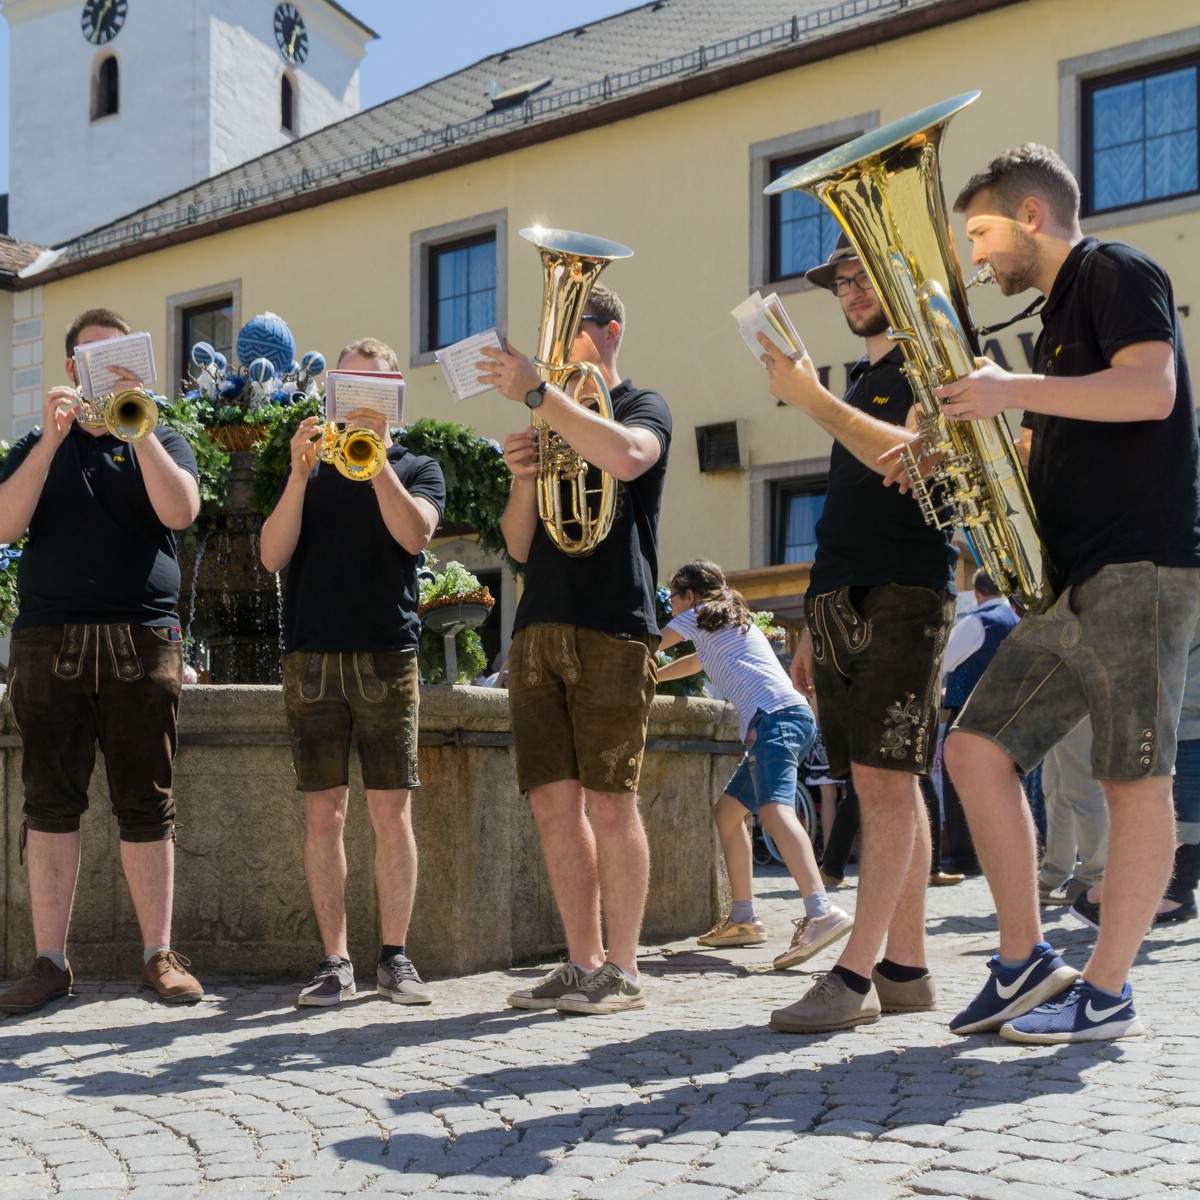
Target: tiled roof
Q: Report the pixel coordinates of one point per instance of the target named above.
(625, 58)
(15, 254)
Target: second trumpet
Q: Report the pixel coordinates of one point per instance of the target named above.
(359, 454)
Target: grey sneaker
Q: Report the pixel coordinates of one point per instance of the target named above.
(605, 990)
(812, 934)
(548, 991)
(727, 932)
(912, 995)
(333, 983)
(828, 1004)
(1067, 892)
(397, 979)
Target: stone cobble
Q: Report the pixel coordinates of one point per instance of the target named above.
(692, 1098)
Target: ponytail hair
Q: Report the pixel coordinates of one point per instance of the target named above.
(717, 604)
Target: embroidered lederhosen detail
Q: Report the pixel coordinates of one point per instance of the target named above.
(126, 665)
(68, 663)
(371, 687)
(312, 682)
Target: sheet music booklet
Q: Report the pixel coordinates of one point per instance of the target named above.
(133, 351)
(382, 391)
(458, 363)
(766, 314)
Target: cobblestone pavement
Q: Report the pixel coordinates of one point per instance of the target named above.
(693, 1098)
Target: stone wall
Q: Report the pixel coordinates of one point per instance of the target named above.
(483, 902)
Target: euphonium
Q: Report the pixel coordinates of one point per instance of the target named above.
(130, 415)
(571, 262)
(885, 190)
(359, 454)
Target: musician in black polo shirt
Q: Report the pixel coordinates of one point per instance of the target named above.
(97, 657)
(879, 607)
(350, 634)
(1114, 471)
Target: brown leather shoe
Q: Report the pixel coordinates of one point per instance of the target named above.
(943, 879)
(166, 973)
(43, 981)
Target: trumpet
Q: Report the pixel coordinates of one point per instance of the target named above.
(359, 454)
(131, 415)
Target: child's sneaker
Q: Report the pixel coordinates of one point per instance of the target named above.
(812, 934)
(727, 932)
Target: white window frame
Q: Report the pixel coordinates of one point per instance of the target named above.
(421, 243)
(176, 371)
(762, 155)
(1073, 73)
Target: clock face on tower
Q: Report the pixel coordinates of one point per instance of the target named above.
(102, 20)
(290, 33)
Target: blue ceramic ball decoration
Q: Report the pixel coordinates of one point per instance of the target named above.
(262, 370)
(267, 336)
(219, 359)
(203, 354)
(313, 362)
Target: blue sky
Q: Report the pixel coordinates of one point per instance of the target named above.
(418, 41)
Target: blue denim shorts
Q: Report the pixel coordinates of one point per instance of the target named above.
(776, 744)
(1115, 648)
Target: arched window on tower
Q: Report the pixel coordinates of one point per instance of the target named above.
(289, 104)
(106, 88)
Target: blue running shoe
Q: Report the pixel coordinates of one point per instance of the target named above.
(1012, 991)
(1084, 1014)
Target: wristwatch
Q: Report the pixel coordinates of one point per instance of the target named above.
(534, 398)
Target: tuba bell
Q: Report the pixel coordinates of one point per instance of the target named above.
(358, 454)
(576, 516)
(130, 415)
(885, 190)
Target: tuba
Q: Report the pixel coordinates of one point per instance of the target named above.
(885, 190)
(130, 415)
(577, 517)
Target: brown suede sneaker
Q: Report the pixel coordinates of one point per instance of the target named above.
(43, 981)
(166, 973)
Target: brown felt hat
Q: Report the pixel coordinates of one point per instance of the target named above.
(823, 275)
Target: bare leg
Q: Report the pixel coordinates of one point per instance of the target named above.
(1004, 836)
(889, 803)
(150, 873)
(828, 807)
(781, 822)
(569, 848)
(730, 817)
(1140, 851)
(325, 864)
(395, 861)
(906, 933)
(53, 860)
(623, 858)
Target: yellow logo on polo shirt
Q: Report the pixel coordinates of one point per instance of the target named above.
(1057, 351)
(880, 400)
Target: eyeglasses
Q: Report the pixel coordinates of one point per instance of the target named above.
(841, 285)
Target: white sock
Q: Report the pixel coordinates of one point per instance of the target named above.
(59, 960)
(817, 905)
(151, 951)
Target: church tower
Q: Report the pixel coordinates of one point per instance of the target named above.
(117, 103)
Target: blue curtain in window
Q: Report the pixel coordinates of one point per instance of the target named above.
(1144, 139)
(800, 536)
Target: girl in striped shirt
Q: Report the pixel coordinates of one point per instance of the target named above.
(777, 727)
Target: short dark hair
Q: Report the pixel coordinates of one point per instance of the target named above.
(370, 347)
(1027, 170)
(105, 318)
(984, 584)
(604, 302)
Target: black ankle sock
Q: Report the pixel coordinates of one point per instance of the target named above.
(898, 974)
(856, 983)
(389, 952)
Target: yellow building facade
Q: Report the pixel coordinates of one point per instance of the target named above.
(682, 185)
